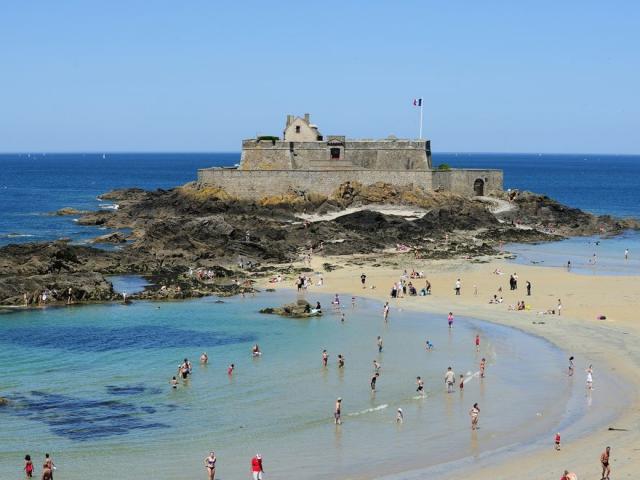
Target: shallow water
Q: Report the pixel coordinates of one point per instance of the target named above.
(91, 385)
(609, 254)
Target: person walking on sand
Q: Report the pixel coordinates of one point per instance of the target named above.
(450, 319)
(420, 386)
(458, 286)
(483, 364)
(604, 461)
(325, 358)
(210, 465)
(565, 475)
(528, 285)
(337, 412)
(449, 379)
(477, 342)
(379, 343)
(474, 413)
(559, 307)
(558, 441)
(363, 280)
(257, 470)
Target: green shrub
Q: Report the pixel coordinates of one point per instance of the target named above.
(443, 167)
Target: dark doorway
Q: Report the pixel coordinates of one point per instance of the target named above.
(335, 154)
(478, 187)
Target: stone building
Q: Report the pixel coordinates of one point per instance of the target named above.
(304, 160)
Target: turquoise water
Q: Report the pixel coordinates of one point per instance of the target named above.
(609, 254)
(91, 385)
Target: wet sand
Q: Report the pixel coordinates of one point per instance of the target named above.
(612, 345)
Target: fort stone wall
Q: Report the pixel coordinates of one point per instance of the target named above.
(468, 182)
(257, 184)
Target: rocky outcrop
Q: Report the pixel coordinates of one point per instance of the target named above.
(173, 231)
(69, 211)
(299, 309)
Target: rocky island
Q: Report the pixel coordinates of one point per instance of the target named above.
(172, 235)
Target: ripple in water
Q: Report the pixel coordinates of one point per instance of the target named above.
(92, 339)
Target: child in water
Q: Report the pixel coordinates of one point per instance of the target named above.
(174, 382)
(28, 466)
(461, 382)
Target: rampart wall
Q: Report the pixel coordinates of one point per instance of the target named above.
(257, 184)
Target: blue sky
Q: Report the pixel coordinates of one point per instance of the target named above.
(496, 76)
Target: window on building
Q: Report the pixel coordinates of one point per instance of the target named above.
(297, 128)
(335, 154)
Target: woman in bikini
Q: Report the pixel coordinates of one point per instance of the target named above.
(210, 465)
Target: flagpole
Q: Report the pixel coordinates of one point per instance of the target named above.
(420, 138)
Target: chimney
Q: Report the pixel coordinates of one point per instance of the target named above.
(307, 118)
(289, 120)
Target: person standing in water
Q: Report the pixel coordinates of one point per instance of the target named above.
(461, 383)
(558, 441)
(589, 377)
(376, 366)
(204, 358)
(337, 411)
(374, 379)
(340, 361)
(210, 465)
(230, 369)
(28, 466)
(174, 382)
(483, 364)
(626, 254)
(477, 343)
(474, 413)
(571, 366)
(325, 358)
(420, 386)
(450, 319)
(379, 343)
(385, 312)
(48, 463)
(449, 379)
(399, 416)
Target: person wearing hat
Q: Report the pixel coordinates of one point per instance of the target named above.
(256, 467)
(336, 413)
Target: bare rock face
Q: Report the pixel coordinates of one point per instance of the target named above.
(299, 309)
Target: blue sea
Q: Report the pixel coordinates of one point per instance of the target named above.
(34, 185)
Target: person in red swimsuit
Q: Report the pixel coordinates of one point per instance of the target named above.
(256, 467)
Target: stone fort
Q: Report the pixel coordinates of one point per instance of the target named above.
(306, 161)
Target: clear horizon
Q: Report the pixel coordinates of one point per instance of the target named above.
(549, 78)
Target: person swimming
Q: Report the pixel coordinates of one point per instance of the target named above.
(204, 358)
(255, 351)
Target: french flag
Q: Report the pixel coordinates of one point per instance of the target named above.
(417, 102)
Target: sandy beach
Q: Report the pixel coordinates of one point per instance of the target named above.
(612, 344)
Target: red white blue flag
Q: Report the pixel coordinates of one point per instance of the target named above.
(417, 102)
